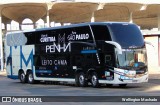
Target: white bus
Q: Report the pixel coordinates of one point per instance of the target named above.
(99, 53)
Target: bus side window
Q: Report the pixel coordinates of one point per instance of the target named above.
(108, 60)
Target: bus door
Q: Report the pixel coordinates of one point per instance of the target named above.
(109, 64)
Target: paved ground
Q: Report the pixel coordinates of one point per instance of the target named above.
(2, 73)
(10, 87)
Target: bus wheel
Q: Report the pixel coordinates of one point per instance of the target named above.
(122, 85)
(80, 80)
(30, 78)
(94, 80)
(22, 77)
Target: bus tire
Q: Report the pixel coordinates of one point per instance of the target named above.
(94, 80)
(80, 80)
(22, 77)
(30, 78)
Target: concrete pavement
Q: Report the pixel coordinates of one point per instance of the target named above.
(3, 73)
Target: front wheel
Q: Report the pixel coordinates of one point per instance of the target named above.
(94, 80)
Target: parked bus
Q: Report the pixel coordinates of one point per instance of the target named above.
(97, 53)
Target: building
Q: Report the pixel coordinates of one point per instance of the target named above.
(153, 50)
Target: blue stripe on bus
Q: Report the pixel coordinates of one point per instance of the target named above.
(26, 61)
(12, 76)
(88, 51)
(43, 71)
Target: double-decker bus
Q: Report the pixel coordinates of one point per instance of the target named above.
(97, 53)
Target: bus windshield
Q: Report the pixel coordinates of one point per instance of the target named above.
(126, 35)
(132, 58)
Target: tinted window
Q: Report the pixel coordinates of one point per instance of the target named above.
(30, 37)
(61, 35)
(101, 32)
(126, 35)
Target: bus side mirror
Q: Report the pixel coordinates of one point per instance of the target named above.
(118, 46)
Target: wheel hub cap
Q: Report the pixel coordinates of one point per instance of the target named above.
(94, 80)
(81, 79)
(30, 78)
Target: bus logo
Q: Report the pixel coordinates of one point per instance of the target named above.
(6, 99)
(74, 36)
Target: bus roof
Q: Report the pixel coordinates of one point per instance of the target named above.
(69, 26)
(81, 24)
